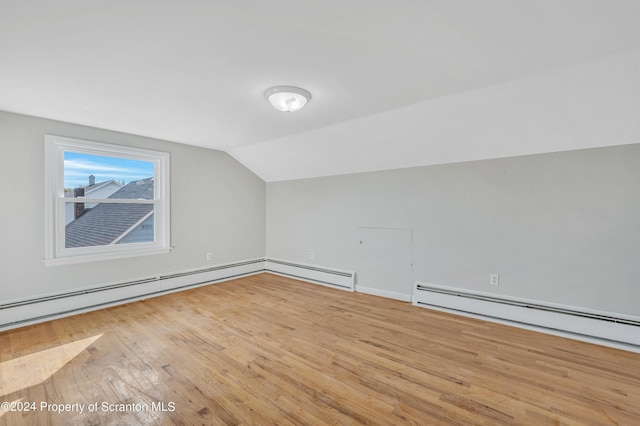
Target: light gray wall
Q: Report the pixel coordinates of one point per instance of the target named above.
(217, 205)
(562, 227)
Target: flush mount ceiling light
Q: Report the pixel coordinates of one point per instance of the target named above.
(287, 98)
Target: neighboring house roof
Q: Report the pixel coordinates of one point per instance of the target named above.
(96, 190)
(91, 188)
(136, 190)
(96, 186)
(106, 223)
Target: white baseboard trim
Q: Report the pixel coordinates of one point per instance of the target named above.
(605, 328)
(22, 312)
(383, 293)
(331, 277)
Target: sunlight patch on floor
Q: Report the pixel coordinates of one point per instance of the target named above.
(29, 370)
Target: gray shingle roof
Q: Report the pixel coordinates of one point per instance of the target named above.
(105, 222)
(136, 190)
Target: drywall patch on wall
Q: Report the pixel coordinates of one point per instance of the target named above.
(384, 262)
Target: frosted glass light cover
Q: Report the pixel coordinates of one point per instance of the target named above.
(287, 98)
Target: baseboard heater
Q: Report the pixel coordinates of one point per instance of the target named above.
(28, 311)
(18, 313)
(575, 321)
(336, 278)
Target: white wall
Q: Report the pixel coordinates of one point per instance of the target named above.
(217, 205)
(561, 227)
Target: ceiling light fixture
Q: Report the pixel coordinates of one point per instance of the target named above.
(287, 98)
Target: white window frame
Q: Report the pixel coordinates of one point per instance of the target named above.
(55, 251)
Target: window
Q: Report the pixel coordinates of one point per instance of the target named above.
(104, 201)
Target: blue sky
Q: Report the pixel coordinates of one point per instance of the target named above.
(78, 167)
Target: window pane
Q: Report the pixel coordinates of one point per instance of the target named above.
(96, 176)
(106, 224)
(115, 202)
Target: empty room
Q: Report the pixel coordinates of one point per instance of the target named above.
(308, 213)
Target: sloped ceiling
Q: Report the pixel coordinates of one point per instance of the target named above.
(393, 84)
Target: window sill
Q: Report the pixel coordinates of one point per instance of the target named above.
(70, 260)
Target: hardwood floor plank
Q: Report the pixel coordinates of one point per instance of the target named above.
(271, 350)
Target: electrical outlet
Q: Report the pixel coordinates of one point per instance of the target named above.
(310, 255)
(209, 256)
(494, 279)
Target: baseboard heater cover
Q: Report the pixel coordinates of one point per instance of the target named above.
(569, 319)
(336, 278)
(18, 313)
(32, 310)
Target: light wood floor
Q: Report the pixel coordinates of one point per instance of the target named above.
(268, 350)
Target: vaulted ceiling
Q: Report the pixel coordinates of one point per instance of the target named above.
(394, 83)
